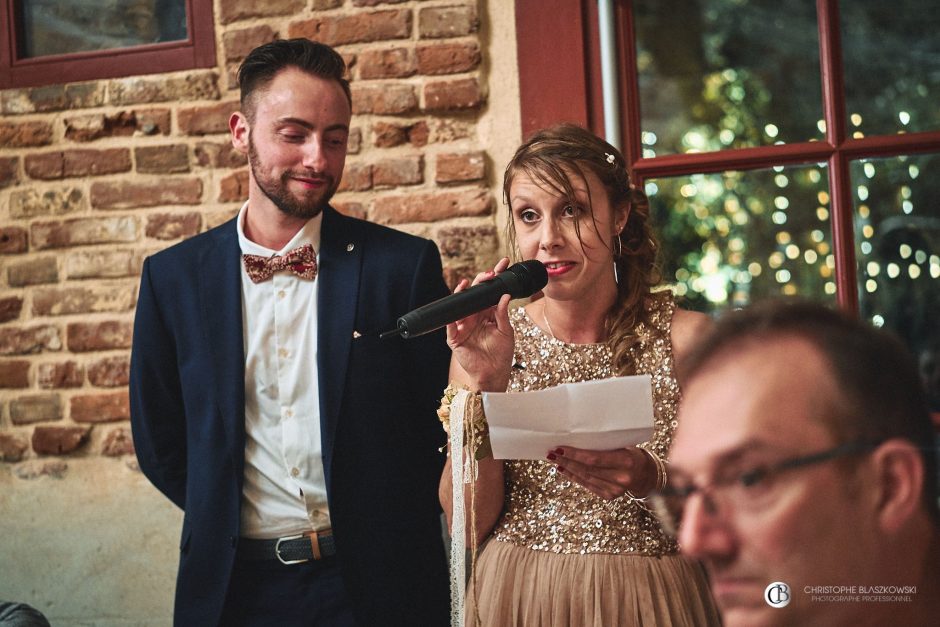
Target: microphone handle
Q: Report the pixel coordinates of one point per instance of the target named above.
(451, 308)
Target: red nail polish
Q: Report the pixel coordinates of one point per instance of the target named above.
(551, 456)
(560, 470)
(559, 451)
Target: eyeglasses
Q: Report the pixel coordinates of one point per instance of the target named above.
(746, 491)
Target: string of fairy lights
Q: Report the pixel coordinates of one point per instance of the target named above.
(724, 205)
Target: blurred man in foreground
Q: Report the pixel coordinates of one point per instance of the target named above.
(803, 472)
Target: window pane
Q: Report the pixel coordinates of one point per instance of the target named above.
(897, 227)
(734, 238)
(891, 55)
(717, 74)
(57, 27)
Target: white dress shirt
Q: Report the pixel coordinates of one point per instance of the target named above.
(285, 490)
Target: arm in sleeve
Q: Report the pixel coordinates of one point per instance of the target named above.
(158, 420)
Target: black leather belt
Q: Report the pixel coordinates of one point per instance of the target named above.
(313, 545)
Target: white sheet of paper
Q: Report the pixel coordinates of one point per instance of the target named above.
(597, 415)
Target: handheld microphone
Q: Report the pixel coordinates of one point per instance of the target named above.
(518, 280)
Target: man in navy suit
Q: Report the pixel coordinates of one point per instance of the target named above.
(302, 448)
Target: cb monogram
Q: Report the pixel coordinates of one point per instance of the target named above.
(777, 594)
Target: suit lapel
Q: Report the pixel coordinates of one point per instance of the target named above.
(340, 263)
(221, 310)
(339, 268)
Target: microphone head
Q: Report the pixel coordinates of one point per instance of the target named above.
(525, 278)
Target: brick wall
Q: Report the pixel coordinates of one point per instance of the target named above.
(95, 176)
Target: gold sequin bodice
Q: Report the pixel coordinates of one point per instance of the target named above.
(544, 511)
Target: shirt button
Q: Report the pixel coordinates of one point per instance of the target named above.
(288, 412)
(281, 294)
(282, 352)
(294, 472)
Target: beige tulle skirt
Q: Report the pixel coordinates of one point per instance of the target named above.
(521, 587)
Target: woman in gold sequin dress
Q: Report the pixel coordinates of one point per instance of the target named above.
(565, 541)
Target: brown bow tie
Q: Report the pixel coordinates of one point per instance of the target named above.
(301, 261)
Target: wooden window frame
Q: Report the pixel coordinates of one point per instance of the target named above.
(559, 80)
(197, 51)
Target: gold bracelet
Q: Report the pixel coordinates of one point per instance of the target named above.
(661, 476)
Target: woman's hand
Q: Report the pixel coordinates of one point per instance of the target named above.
(608, 474)
(482, 343)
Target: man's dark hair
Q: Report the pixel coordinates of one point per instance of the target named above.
(264, 63)
(881, 393)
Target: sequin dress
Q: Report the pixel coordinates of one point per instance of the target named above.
(561, 556)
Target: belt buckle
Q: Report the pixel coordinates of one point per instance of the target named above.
(277, 550)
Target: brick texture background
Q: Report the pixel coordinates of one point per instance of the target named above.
(94, 176)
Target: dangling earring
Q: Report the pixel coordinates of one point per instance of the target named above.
(617, 256)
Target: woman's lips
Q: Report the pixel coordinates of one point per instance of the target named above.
(558, 268)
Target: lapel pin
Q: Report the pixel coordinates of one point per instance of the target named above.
(349, 247)
(356, 334)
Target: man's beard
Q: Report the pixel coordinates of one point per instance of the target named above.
(278, 192)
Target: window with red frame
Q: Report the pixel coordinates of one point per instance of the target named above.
(47, 42)
(787, 147)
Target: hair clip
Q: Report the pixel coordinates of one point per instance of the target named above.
(610, 158)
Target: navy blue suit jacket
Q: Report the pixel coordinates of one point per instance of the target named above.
(377, 414)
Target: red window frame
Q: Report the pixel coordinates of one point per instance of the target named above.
(198, 51)
(559, 80)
